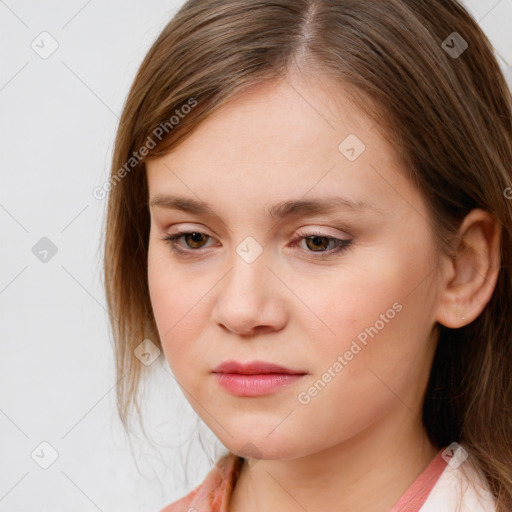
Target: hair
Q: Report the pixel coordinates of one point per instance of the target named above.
(449, 116)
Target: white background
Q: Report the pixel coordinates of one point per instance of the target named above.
(58, 118)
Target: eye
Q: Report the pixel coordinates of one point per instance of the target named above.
(195, 241)
(318, 240)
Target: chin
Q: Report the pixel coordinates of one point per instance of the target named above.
(256, 445)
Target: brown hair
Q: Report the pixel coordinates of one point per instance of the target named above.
(450, 115)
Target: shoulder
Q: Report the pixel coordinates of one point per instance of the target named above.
(461, 488)
(214, 492)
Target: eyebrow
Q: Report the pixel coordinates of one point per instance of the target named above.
(277, 211)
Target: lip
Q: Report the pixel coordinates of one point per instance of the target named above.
(257, 378)
(254, 368)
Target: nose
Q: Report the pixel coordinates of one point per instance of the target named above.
(250, 299)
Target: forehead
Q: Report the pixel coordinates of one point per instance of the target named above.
(270, 119)
(278, 141)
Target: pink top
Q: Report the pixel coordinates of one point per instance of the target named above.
(417, 493)
(428, 492)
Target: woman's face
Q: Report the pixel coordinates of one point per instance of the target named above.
(356, 321)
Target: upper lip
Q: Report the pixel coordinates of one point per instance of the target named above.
(253, 368)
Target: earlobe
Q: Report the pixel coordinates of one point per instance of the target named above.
(471, 274)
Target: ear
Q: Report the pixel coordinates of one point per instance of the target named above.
(470, 276)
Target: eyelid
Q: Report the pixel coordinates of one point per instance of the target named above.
(311, 229)
(189, 227)
(320, 230)
(300, 232)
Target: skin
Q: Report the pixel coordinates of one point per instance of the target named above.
(360, 442)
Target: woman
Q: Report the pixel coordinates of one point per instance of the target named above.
(310, 215)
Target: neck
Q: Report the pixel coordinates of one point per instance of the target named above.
(368, 473)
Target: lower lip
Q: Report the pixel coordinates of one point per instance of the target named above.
(256, 385)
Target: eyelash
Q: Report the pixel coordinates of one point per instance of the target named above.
(340, 244)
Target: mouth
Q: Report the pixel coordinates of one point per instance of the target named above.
(255, 368)
(254, 379)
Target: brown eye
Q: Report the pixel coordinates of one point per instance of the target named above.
(318, 245)
(318, 242)
(194, 239)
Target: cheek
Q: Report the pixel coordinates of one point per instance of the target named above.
(172, 298)
(374, 309)
(181, 306)
(379, 350)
